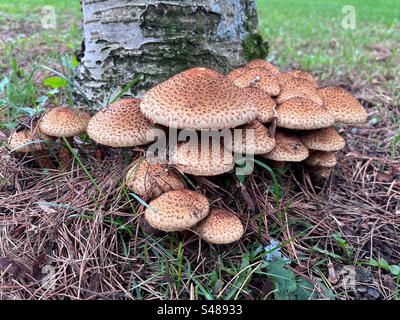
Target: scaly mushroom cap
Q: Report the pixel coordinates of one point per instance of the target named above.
(198, 98)
(237, 73)
(26, 140)
(121, 124)
(259, 78)
(149, 180)
(303, 114)
(258, 63)
(201, 159)
(298, 87)
(288, 148)
(64, 122)
(343, 106)
(288, 75)
(177, 210)
(326, 139)
(321, 159)
(264, 103)
(253, 139)
(220, 227)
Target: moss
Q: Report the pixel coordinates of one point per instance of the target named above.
(255, 47)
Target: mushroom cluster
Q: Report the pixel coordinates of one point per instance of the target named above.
(280, 116)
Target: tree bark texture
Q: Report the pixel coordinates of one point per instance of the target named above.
(149, 41)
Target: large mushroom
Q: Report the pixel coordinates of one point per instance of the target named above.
(209, 159)
(198, 98)
(299, 87)
(64, 122)
(177, 210)
(326, 139)
(121, 124)
(263, 102)
(220, 227)
(342, 105)
(303, 114)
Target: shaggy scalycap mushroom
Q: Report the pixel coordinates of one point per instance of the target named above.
(288, 75)
(288, 148)
(264, 103)
(298, 87)
(198, 98)
(26, 141)
(121, 124)
(343, 106)
(64, 122)
(258, 78)
(194, 158)
(252, 139)
(258, 63)
(326, 139)
(177, 210)
(220, 227)
(320, 172)
(303, 114)
(321, 159)
(149, 180)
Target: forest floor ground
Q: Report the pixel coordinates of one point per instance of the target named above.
(82, 225)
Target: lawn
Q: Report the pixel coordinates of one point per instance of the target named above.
(92, 240)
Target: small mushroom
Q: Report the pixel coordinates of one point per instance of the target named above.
(263, 102)
(288, 75)
(343, 106)
(259, 63)
(321, 159)
(201, 160)
(149, 180)
(198, 98)
(121, 124)
(253, 139)
(288, 148)
(326, 139)
(303, 114)
(298, 87)
(64, 122)
(177, 210)
(28, 141)
(220, 227)
(259, 78)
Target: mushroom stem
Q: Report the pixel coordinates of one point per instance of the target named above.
(64, 154)
(43, 159)
(272, 128)
(248, 198)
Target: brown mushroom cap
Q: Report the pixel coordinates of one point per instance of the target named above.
(253, 139)
(298, 87)
(149, 180)
(303, 114)
(321, 159)
(288, 75)
(343, 106)
(259, 63)
(121, 124)
(26, 140)
(236, 73)
(177, 210)
(326, 139)
(220, 227)
(198, 98)
(201, 159)
(259, 78)
(64, 122)
(264, 103)
(288, 148)
(320, 172)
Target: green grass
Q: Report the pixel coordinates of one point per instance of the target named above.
(309, 35)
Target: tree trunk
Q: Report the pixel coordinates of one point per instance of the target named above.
(149, 41)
